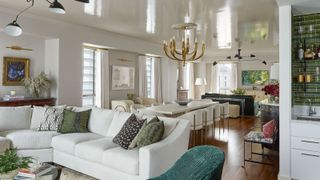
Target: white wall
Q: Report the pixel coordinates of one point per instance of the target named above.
(36, 57)
(115, 58)
(71, 37)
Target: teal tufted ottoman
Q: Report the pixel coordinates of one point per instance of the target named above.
(199, 163)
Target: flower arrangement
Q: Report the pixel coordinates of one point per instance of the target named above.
(238, 91)
(36, 86)
(272, 89)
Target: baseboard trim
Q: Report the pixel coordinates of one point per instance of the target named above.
(283, 177)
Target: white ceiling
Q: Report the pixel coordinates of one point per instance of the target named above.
(136, 17)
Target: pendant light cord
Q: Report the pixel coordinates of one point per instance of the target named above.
(24, 10)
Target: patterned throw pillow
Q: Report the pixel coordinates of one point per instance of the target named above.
(269, 129)
(151, 133)
(52, 118)
(128, 131)
(74, 122)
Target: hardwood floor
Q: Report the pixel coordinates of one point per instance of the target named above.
(231, 142)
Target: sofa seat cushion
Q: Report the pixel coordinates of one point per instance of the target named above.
(30, 139)
(67, 142)
(93, 150)
(123, 160)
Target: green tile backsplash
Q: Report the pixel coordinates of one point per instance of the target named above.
(303, 34)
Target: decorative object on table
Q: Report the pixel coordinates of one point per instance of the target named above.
(35, 171)
(238, 91)
(187, 52)
(183, 102)
(12, 98)
(255, 77)
(38, 85)
(123, 77)
(15, 70)
(272, 90)
(18, 48)
(11, 163)
(182, 94)
(14, 29)
(200, 162)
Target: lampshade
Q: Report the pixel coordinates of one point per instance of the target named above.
(13, 29)
(56, 7)
(200, 81)
(274, 71)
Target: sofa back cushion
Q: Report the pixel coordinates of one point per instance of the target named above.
(100, 120)
(118, 121)
(12, 118)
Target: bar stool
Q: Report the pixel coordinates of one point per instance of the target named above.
(217, 116)
(224, 113)
(195, 117)
(209, 119)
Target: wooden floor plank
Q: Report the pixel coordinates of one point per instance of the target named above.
(231, 142)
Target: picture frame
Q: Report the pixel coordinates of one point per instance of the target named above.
(15, 70)
(255, 77)
(123, 77)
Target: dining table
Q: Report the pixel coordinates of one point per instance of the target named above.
(175, 110)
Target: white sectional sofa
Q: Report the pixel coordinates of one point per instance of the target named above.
(94, 153)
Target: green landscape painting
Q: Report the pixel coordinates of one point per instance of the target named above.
(255, 77)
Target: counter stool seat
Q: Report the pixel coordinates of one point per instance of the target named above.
(234, 111)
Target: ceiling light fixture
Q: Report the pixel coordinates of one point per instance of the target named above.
(56, 7)
(14, 29)
(185, 53)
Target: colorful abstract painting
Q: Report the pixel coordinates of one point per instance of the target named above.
(15, 70)
(255, 77)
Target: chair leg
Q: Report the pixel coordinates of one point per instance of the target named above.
(244, 154)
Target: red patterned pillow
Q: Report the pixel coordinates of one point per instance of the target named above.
(269, 129)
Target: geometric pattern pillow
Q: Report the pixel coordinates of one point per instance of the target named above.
(52, 119)
(151, 133)
(128, 131)
(74, 122)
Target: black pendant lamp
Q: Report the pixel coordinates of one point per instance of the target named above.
(57, 7)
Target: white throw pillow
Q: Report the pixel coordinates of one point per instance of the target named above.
(169, 125)
(118, 121)
(12, 118)
(100, 120)
(46, 118)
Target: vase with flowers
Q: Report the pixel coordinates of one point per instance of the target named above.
(272, 90)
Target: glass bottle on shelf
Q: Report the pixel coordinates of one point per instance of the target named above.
(317, 74)
(300, 76)
(301, 52)
(308, 54)
(318, 52)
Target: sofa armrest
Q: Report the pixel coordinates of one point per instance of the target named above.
(157, 158)
(121, 105)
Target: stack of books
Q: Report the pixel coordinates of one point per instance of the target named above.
(12, 98)
(41, 173)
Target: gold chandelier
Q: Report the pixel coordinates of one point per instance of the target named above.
(186, 53)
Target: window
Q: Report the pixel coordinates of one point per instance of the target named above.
(150, 77)
(91, 83)
(224, 28)
(224, 80)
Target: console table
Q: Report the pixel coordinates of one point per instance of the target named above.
(29, 101)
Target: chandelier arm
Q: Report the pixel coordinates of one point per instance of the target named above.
(25, 9)
(177, 52)
(202, 53)
(166, 52)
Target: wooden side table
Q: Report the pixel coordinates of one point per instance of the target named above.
(29, 101)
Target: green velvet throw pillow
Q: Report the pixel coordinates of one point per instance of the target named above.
(151, 133)
(74, 122)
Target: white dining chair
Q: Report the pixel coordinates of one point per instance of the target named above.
(196, 119)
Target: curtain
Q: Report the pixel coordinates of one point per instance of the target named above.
(105, 94)
(142, 77)
(189, 80)
(234, 76)
(214, 80)
(157, 79)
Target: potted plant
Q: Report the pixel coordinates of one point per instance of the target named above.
(238, 91)
(11, 163)
(38, 85)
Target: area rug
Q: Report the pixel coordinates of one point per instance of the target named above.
(68, 174)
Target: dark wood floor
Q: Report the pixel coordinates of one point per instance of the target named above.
(231, 142)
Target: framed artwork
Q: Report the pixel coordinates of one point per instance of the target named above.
(123, 77)
(255, 77)
(15, 70)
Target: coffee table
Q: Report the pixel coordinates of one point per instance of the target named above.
(51, 175)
